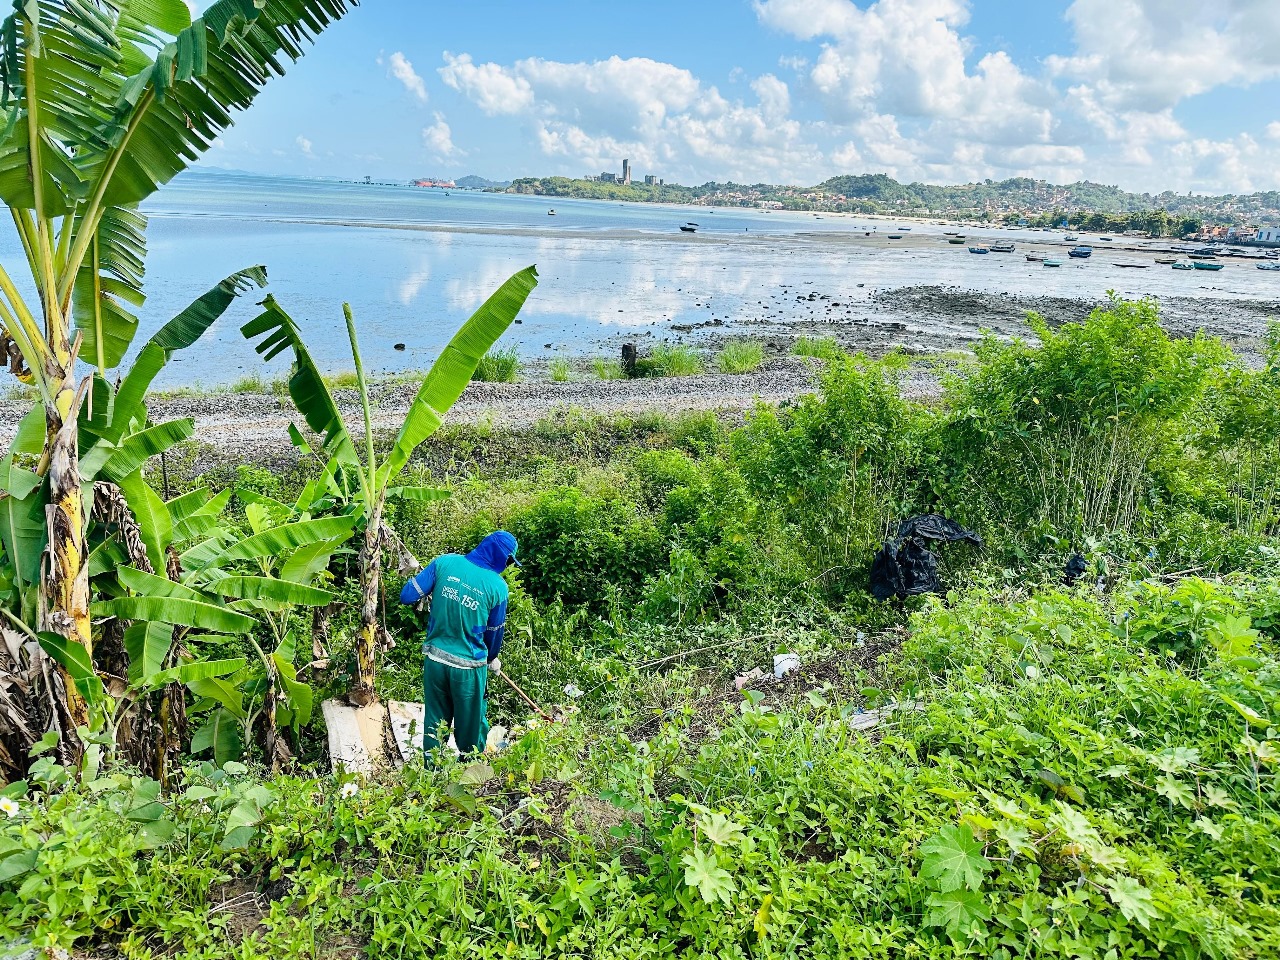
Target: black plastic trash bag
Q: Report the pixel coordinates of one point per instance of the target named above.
(1075, 569)
(905, 567)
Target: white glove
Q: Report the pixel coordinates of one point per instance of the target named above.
(495, 665)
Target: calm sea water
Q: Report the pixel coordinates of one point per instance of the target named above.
(606, 268)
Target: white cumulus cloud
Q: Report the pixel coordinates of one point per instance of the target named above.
(304, 145)
(402, 70)
(438, 139)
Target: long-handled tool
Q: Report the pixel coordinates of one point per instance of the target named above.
(525, 697)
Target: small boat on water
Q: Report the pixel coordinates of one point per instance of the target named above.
(1108, 239)
(1053, 263)
(1070, 238)
(1166, 259)
(690, 228)
(1183, 266)
(895, 236)
(949, 233)
(1036, 257)
(1203, 256)
(905, 229)
(551, 213)
(956, 240)
(1133, 266)
(1002, 247)
(1201, 265)
(1081, 252)
(979, 250)
(1269, 266)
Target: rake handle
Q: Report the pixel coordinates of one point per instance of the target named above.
(524, 696)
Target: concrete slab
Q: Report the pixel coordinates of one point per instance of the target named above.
(356, 735)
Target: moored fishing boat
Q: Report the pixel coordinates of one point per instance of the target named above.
(1166, 259)
(979, 250)
(1002, 247)
(1183, 266)
(1081, 252)
(956, 240)
(1269, 266)
(1201, 265)
(895, 236)
(1036, 257)
(1053, 263)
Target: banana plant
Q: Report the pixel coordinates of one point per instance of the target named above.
(101, 103)
(361, 487)
(226, 586)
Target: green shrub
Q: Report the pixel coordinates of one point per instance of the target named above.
(740, 356)
(1061, 440)
(560, 370)
(578, 546)
(821, 348)
(499, 365)
(842, 467)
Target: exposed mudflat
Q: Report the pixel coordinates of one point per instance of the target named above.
(930, 319)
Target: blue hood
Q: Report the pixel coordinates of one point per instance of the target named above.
(494, 550)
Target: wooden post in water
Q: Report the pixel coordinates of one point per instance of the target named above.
(629, 359)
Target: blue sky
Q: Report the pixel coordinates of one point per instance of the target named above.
(1147, 94)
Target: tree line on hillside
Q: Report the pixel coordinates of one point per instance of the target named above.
(881, 194)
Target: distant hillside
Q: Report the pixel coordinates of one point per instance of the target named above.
(990, 200)
(472, 182)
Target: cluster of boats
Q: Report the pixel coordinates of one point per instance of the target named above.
(1201, 259)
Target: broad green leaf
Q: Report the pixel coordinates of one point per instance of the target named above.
(152, 515)
(190, 325)
(137, 448)
(74, 658)
(222, 692)
(1233, 636)
(202, 520)
(958, 911)
(702, 871)
(301, 698)
(761, 922)
(306, 563)
(1175, 759)
(1134, 900)
(177, 611)
(452, 371)
(954, 858)
(1079, 831)
(221, 734)
(23, 530)
(279, 540)
(418, 494)
(197, 671)
(17, 864)
(307, 387)
(108, 286)
(150, 585)
(147, 645)
(1175, 791)
(269, 588)
(720, 830)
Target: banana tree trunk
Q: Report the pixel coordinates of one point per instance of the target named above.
(362, 691)
(65, 610)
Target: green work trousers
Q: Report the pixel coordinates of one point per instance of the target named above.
(454, 696)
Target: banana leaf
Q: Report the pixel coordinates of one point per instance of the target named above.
(177, 611)
(452, 371)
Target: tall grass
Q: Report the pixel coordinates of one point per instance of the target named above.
(671, 360)
(500, 365)
(820, 348)
(740, 356)
(560, 370)
(607, 368)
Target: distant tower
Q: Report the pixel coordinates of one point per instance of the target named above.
(626, 171)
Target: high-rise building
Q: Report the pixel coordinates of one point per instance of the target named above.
(626, 171)
(650, 180)
(608, 177)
